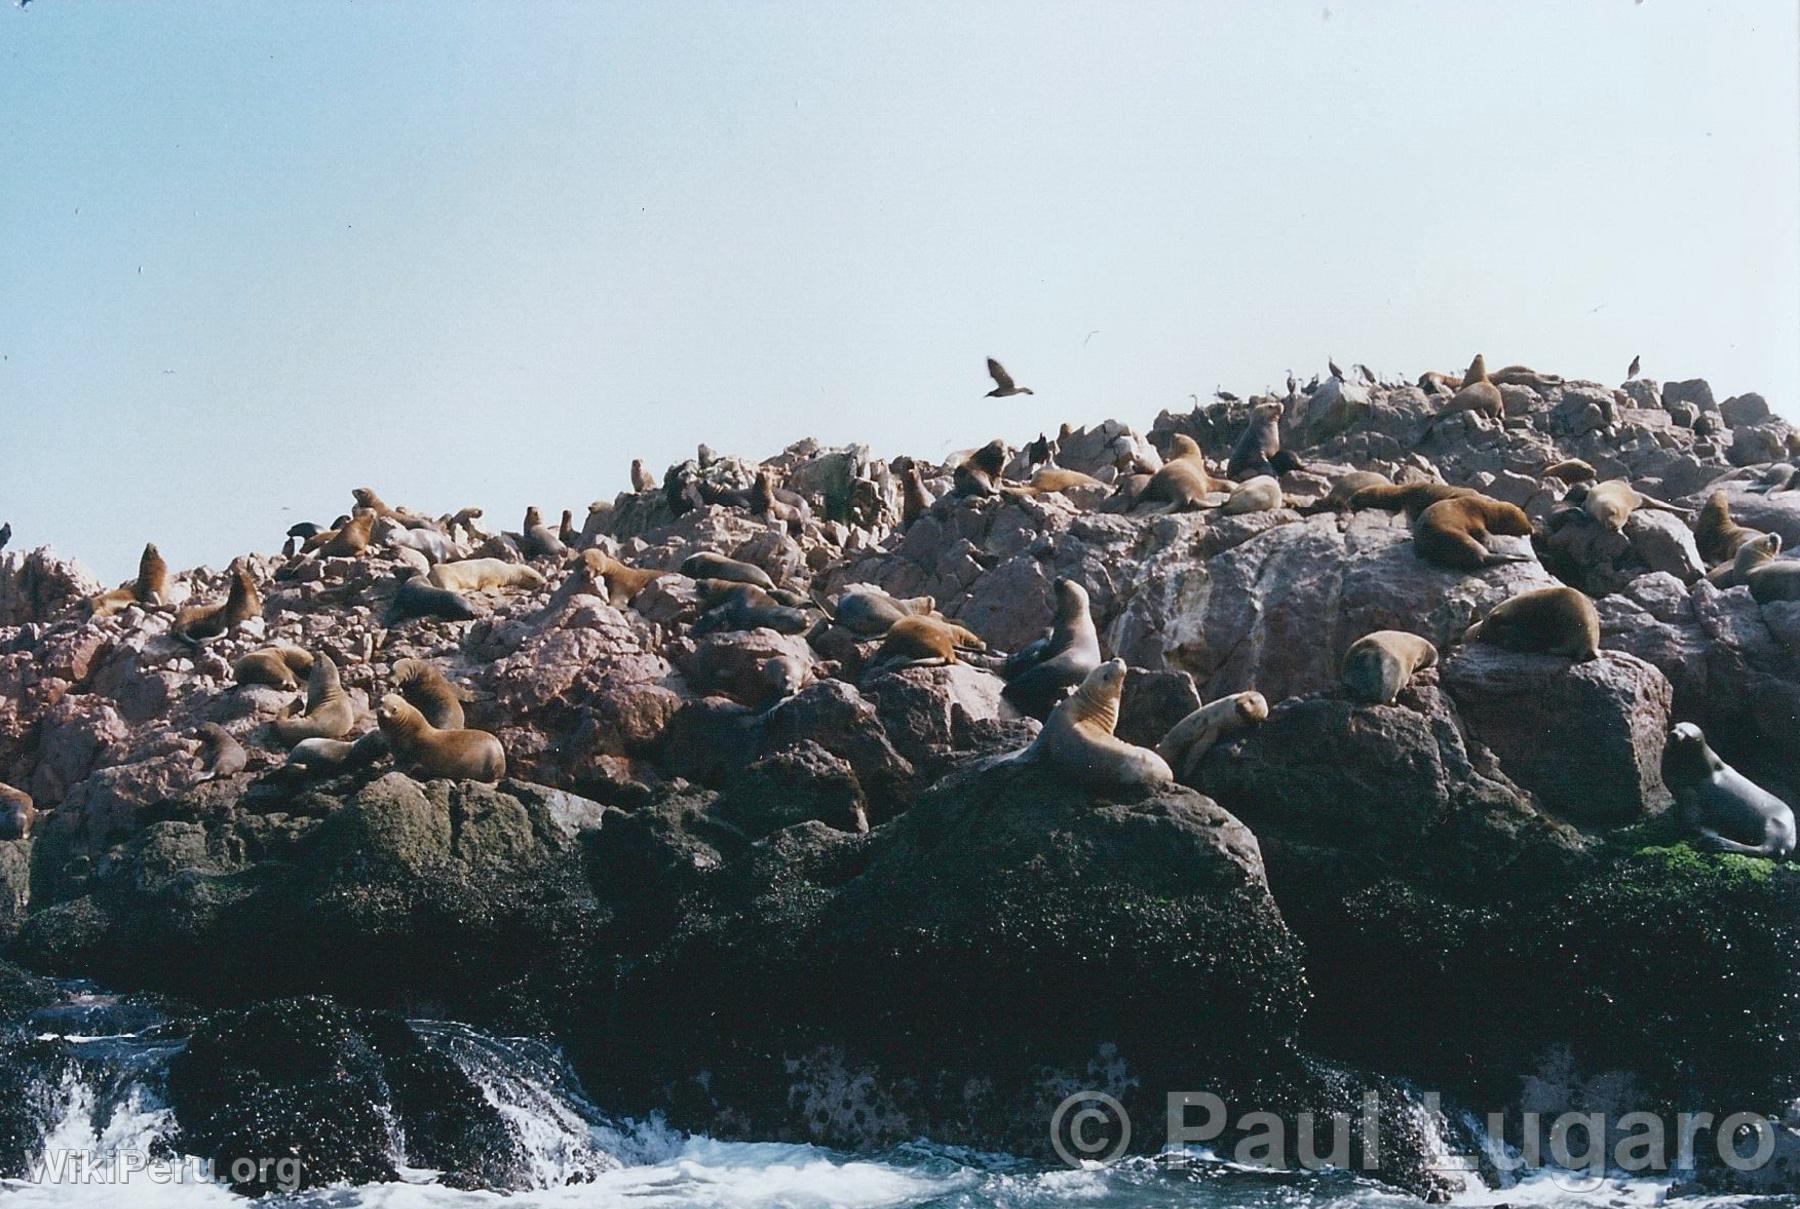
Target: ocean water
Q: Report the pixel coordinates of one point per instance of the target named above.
(113, 1113)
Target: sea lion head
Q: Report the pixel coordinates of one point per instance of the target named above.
(365, 497)
(991, 457)
(533, 518)
(1104, 684)
(1477, 370)
(1071, 600)
(1686, 755)
(1183, 446)
(1253, 707)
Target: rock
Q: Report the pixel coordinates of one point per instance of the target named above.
(1752, 446)
(1695, 391)
(1660, 541)
(1610, 717)
(1741, 411)
(795, 784)
(919, 707)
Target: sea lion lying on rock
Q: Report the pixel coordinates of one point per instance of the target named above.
(204, 623)
(923, 642)
(1454, 532)
(427, 752)
(1078, 741)
(480, 574)
(1410, 498)
(1183, 481)
(1195, 735)
(1752, 555)
(742, 606)
(18, 814)
(275, 666)
(1549, 621)
(1377, 666)
(707, 565)
(220, 754)
(417, 596)
(868, 612)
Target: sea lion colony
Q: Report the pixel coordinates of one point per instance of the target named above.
(791, 564)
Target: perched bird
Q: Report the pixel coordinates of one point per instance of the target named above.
(1333, 367)
(1225, 396)
(1003, 383)
(640, 478)
(1631, 374)
(1293, 384)
(5, 534)
(1368, 375)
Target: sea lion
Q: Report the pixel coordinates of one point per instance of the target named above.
(204, 623)
(923, 642)
(1054, 480)
(1192, 737)
(538, 539)
(1078, 740)
(1522, 375)
(1716, 534)
(731, 605)
(1339, 497)
(1260, 444)
(466, 521)
(565, 532)
(329, 714)
(708, 565)
(151, 587)
(1728, 811)
(981, 473)
(426, 689)
(1042, 672)
(1751, 555)
(1776, 580)
(1478, 397)
(1182, 481)
(416, 596)
(1547, 621)
(436, 547)
(368, 501)
(1411, 498)
(781, 677)
(641, 481)
(1569, 470)
(868, 612)
(1454, 532)
(18, 814)
(220, 754)
(480, 574)
(275, 666)
(429, 753)
(1611, 503)
(1378, 665)
(1260, 494)
(341, 754)
(915, 501)
(351, 539)
(1003, 383)
(622, 583)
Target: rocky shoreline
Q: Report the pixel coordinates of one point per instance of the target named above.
(823, 909)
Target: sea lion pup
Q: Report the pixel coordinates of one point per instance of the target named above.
(1078, 740)
(1569, 470)
(923, 642)
(220, 754)
(480, 574)
(1182, 481)
(275, 666)
(329, 714)
(1454, 532)
(1523, 375)
(731, 605)
(18, 815)
(203, 623)
(1728, 811)
(1611, 503)
(538, 539)
(1344, 490)
(1258, 450)
(641, 481)
(868, 612)
(1477, 396)
(151, 587)
(1260, 494)
(915, 501)
(1545, 621)
(426, 689)
(416, 596)
(707, 565)
(1757, 552)
(621, 583)
(1718, 536)
(1039, 674)
(1192, 737)
(434, 545)
(430, 753)
(342, 754)
(1377, 666)
(981, 473)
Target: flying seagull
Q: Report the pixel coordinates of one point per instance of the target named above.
(1003, 383)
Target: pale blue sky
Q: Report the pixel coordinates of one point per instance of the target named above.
(252, 256)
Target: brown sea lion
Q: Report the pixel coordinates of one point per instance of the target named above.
(1477, 396)
(1411, 498)
(203, 623)
(1260, 444)
(1195, 735)
(1718, 536)
(641, 480)
(1757, 552)
(1378, 665)
(868, 612)
(619, 583)
(1078, 740)
(981, 473)
(1041, 673)
(1454, 532)
(220, 755)
(1611, 503)
(1569, 470)
(429, 753)
(275, 666)
(1260, 494)
(329, 714)
(1344, 489)
(707, 565)
(915, 501)
(924, 642)
(426, 689)
(18, 814)
(1547, 621)
(1183, 481)
(367, 500)
(151, 587)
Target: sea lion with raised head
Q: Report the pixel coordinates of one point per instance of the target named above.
(641, 479)
(220, 754)
(368, 501)
(1454, 533)
(539, 540)
(1728, 811)
(1477, 397)
(1041, 673)
(1195, 735)
(1717, 536)
(429, 753)
(1545, 621)
(204, 623)
(915, 501)
(1378, 665)
(1258, 450)
(427, 690)
(480, 574)
(338, 754)
(1078, 740)
(1751, 555)
(151, 587)
(707, 565)
(329, 714)
(982, 473)
(350, 540)
(1611, 503)
(621, 583)
(1182, 481)
(276, 666)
